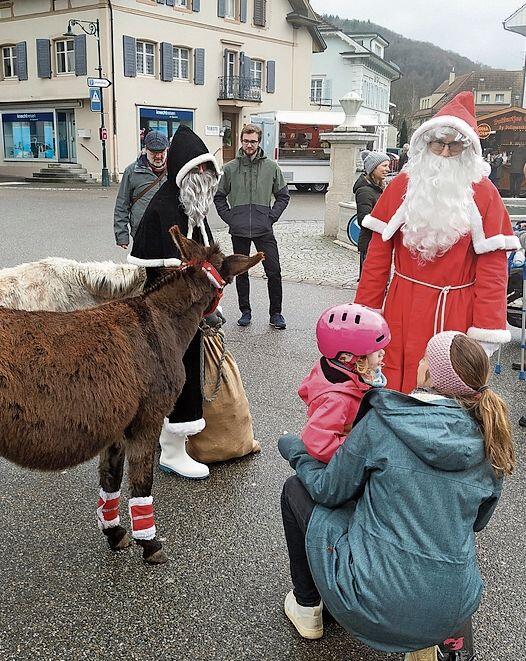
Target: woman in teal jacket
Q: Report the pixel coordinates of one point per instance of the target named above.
(384, 534)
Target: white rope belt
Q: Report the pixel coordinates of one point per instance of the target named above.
(440, 312)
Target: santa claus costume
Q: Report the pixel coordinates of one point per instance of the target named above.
(437, 260)
(183, 200)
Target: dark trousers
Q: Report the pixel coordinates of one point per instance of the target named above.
(516, 183)
(296, 510)
(267, 244)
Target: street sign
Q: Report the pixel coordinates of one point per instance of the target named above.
(98, 82)
(95, 94)
(103, 133)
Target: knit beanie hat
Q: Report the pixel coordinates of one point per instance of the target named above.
(372, 159)
(443, 376)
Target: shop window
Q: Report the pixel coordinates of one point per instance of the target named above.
(256, 74)
(145, 58)
(29, 136)
(9, 61)
(181, 63)
(65, 55)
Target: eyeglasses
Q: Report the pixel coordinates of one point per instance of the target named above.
(455, 148)
(253, 143)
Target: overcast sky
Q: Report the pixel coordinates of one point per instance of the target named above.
(470, 27)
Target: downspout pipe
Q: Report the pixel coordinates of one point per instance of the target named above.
(115, 175)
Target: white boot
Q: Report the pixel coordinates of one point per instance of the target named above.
(308, 620)
(174, 458)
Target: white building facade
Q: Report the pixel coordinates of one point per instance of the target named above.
(355, 63)
(206, 63)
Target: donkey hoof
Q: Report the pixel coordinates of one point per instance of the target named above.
(118, 538)
(157, 558)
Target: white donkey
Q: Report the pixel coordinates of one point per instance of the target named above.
(61, 285)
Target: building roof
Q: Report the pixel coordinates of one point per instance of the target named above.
(303, 14)
(517, 21)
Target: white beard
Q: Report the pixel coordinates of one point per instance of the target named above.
(438, 201)
(196, 196)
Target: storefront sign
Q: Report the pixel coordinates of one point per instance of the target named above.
(212, 130)
(484, 131)
(27, 117)
(167, 114)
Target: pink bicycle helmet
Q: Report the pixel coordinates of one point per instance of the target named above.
(351, 328)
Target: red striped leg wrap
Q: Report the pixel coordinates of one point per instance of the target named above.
(108, 510)
(141, 515)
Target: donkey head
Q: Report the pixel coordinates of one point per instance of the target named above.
(228, 267)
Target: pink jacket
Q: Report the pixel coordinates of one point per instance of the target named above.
(332, 408)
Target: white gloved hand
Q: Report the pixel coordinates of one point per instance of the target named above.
(489, 348)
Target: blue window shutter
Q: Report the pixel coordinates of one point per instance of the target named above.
(21, 60)
(199, 66)
(196, 5)
(81, 64)
(260, 12)
(167, 61)
(243, 11)
(43, 58)
(130, 56)
(271, 76)
(221, 9)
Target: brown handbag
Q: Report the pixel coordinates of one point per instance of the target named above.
(228, 432)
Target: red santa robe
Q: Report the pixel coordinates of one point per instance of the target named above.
(475, 269)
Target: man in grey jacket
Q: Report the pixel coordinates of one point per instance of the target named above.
(243, 201)
(140, 181)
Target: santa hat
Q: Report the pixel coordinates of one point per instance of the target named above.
(459, 114)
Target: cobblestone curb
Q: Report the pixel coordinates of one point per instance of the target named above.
(306, 255)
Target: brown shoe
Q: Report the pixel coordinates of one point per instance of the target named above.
(429, 654)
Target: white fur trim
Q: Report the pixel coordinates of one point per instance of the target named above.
(203, 158)
(189, 428)
(109, 496)
(375, 224)
(140, 500)
(146, 534)
(101, 521)
(395, 223)
(172, 261)
(447, 120)
(492, 335)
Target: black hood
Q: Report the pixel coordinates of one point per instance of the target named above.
(186, 151)
(365, 181)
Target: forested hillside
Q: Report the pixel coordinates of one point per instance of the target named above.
(424, 66)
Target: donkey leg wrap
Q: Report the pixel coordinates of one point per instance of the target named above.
(108, 510)
(141, 515)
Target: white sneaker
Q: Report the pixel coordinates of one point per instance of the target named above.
(307, 619)
(429, 654)
(175, 459)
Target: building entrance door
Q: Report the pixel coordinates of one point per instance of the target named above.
(230, 137)
(67, 145)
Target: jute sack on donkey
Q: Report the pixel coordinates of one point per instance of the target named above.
(74, 385)
(228, 433)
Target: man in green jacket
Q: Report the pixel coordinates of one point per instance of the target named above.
(140, 181)
(243, 201)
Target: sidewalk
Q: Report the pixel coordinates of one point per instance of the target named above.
(308, 256)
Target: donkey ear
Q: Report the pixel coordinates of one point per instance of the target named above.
(236, 264)
(186, 247)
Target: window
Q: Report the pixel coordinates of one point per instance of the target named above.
(65, 52)
(28, 136)
(316, 90)
(181, 3)
(145, 58)
(230, 8)
(256, 74)
(484, 98)
(9, 61)
(377, 49)
(499, 98)
(181, 63)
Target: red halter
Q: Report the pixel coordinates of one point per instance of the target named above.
(215, 279)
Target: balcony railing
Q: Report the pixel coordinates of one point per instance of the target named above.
(239, 88)
(319, 101)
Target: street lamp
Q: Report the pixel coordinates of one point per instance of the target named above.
(92, 28)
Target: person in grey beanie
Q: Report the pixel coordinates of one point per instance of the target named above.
(139, 183)
(367, 189)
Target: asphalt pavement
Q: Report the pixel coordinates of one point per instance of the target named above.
(64, 596)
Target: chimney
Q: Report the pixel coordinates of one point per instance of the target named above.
(452, 76)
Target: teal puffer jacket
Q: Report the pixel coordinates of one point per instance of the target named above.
(391, 543)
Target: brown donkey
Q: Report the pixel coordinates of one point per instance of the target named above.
(100, 381)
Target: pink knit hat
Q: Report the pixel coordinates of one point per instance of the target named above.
(445, 380)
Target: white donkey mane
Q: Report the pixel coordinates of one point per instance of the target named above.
(62, 284)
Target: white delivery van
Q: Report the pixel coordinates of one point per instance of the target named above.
(292, 138)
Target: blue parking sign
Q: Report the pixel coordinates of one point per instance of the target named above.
(95, 94)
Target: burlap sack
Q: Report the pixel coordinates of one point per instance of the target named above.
(228, 432)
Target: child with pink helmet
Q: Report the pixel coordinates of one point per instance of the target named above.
(351, 339)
